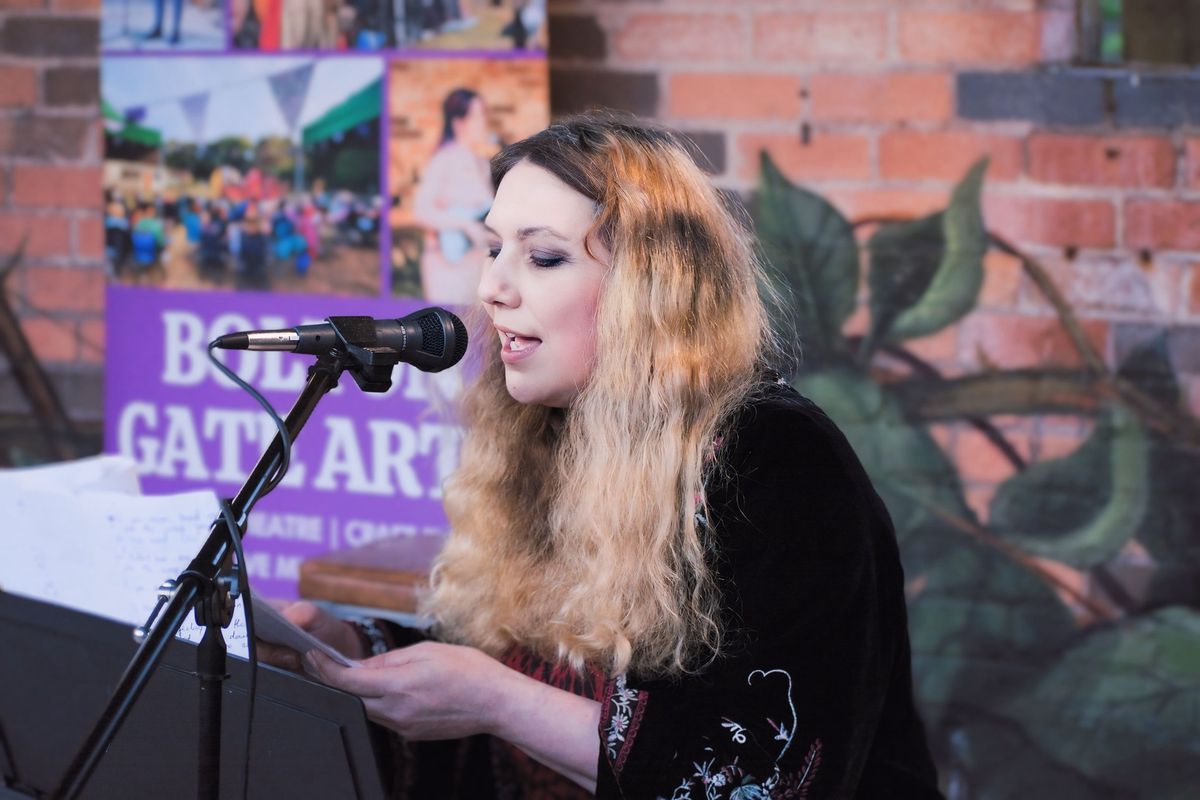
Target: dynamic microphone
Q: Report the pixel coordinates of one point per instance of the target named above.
(431, 339)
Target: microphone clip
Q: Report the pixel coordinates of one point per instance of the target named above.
(373, 362)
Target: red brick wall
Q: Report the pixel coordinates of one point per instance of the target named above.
(881, 105)
(50, 160)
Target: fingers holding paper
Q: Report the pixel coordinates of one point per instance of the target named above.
(280, 647)
(427, 691)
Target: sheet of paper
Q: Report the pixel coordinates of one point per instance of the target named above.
(272, 626)
(105, 553)
(110, 473)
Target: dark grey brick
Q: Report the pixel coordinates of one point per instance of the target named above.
(50, 137)
(82, 392)
(1045, 97)
(1127, 337)
(1157, 102)
(707, 149)
(51, 36)
(1185, 349)
(1183, 343)
(573, 90)
(577, 36)
(72, 86)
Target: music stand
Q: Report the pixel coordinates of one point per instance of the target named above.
(57, 668)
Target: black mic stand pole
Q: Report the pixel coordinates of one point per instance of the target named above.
(199, 585)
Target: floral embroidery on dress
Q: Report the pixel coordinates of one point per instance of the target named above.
(624, 707)
(733, 781)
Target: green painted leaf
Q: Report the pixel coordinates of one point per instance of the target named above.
(990, 758)
(1082, 508)
(978, 622)
(926, 274)
(980, 626)
(1171, 531)
(904, 462)
(1123, 706)
(1171, 527)
(812, 248)
(1148, 367)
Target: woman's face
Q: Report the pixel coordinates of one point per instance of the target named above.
(472, 128)
(540, 286)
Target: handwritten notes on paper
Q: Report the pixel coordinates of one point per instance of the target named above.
(79, 534)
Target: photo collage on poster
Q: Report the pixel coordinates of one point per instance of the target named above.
(314, 146)
(271, 163)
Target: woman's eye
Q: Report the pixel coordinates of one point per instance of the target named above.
(493, 251)
(546, 260)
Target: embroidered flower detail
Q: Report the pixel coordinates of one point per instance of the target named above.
(750, 791)
(624, 706)
(737, 732)
(732, 781)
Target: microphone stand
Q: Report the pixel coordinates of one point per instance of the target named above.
(204, 587)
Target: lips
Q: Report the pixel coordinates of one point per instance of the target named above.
(515, 346)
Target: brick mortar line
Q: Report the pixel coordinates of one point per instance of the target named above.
(60, 262)
(49, 12)
(874, 146)
(892, 51)
(85, 111)
(51, 162)
(867, 66)
(43, 61)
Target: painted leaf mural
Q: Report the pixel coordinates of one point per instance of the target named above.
(1054, 624)
(811, 247)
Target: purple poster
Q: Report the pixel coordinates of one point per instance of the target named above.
(282, 174)
(366, 466)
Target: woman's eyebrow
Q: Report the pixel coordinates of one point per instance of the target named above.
(525, 233)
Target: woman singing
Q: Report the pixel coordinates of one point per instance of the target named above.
(667, 574)
(451, 200)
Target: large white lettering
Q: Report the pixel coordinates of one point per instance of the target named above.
(185, 357)
(442, 442)
(393, 445)
(184, 360)
(231, 429)
(371, 457)
(343, 457)
(138, 416)
(181, 446)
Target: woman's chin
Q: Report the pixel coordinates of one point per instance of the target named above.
(527, 393)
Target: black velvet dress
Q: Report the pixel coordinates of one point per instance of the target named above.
(813, 698)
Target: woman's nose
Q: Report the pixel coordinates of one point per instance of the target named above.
(496, 286)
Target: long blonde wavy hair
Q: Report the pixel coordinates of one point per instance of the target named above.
(574, 533)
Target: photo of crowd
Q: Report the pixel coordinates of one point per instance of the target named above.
(200, 194)
(162, 25)
(369, 25)
(447, 119)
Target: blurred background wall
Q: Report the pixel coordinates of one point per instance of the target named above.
(51, 149)
(1053, 410)
(880, 106)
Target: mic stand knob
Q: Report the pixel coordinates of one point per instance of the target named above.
(165, 590)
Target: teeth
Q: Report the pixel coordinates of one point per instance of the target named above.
(514, 342)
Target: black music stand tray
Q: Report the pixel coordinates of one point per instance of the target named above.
(58, 668)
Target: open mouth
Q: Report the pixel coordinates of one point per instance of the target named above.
(515, 343)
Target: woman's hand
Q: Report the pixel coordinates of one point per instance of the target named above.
(427, 691)
(334, 631)
(440, 691)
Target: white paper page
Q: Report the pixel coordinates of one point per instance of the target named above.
(105, 553)
(109, 473)
(271, 626)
